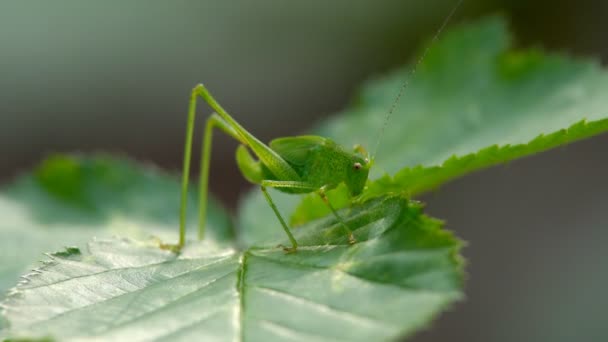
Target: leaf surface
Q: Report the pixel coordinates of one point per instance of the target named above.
(473, 92)
(403, 271)
(68, 200)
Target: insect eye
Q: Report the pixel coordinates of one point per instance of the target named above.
(357, 166)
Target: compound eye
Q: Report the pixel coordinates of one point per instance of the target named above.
(357, 166)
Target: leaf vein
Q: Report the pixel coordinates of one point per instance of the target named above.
(123, 269)
(73, 310)
(321, 307)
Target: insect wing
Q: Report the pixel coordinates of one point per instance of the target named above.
(296, 150)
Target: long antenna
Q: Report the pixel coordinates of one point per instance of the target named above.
(410, 74)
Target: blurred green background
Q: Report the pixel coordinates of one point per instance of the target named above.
(116, 75)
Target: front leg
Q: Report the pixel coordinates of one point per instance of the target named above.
(284, 185)
(305, 187)
(323, 195)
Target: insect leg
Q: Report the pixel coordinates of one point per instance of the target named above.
(289, 185)
(304, 186)
(294, 243)
(285, 185)
(213, 121)
(279, 167)
(249, 166)
(351, 237)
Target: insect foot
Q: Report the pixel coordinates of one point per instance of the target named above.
(175, 248)
(289, 250)
(351, 239)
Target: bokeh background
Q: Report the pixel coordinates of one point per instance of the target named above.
(116, 75)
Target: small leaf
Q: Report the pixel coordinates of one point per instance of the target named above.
(403, 270)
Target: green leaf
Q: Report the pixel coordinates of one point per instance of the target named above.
(420, 179)
(471, 104)
(403, 271)
(68, 200)
(471, 93)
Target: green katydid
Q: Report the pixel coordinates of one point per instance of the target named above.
(295, 165)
